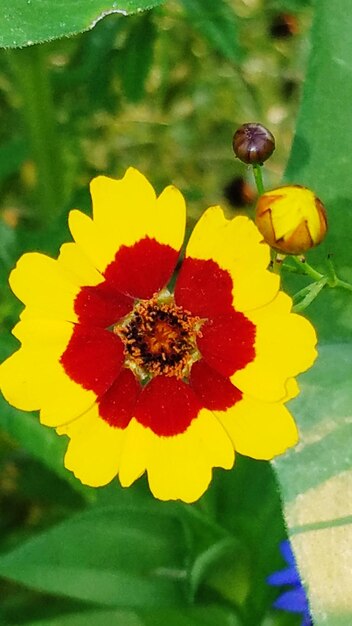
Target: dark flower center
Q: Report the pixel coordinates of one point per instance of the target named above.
(160, 338)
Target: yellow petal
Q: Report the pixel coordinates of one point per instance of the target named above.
(74, 261)
(43, 286)
(90, 239)
(133, 195)
(253, 289)
(33, 378)
(134, 458)
(240, 236)
(178, 467)
(17, 384)
(285, 346)
(236, 246)
(93, 453)
(124, 212)
(260, 430)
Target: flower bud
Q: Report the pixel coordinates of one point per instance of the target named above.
(291, 219)
(253, 143)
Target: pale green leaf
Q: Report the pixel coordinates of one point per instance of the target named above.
(316, 480)
(316, 477)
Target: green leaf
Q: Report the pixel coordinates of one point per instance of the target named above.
(25, 22)
(316, 480)
(291, 5)
(207, 561)
(194, 616)
(243, 502)
(41, 442)
(197, 616)
(92, 618)
(109, 556)
(134, 61)
(316, 477)
(8, 243)
(217, 22)
(12, 155)
(320, 158)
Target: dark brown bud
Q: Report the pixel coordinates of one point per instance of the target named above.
(284, 25)
(253, 143)
(239, 193)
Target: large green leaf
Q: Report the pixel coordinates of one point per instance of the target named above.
(316, 477)
(25, 22)
(137, 560)
(320, 156)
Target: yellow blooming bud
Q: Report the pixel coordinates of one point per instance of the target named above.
(291, 219)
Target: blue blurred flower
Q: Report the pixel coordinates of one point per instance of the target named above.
(294, 600)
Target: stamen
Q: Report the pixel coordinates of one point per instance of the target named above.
(160, 338)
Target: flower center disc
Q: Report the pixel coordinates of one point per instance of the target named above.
(160, 338)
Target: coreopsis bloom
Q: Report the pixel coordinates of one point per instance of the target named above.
(141, 378)
(291, 219)
(295, 599)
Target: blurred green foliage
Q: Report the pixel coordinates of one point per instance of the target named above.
(164, 91)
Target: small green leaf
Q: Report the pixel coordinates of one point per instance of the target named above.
(218, 552)
(12, 155)
(25, 22)
(8, 243)
(217, 22)
(134, 61)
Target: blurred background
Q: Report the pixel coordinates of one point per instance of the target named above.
(163, 91)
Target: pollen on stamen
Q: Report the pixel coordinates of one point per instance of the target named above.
(160, 338)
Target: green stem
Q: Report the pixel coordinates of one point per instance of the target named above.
(30, 72)
(257, 172)
(275, 263)
(331, 278)
(307, 269)
(343, 284)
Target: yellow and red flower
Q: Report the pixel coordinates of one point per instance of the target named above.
(142, 379)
